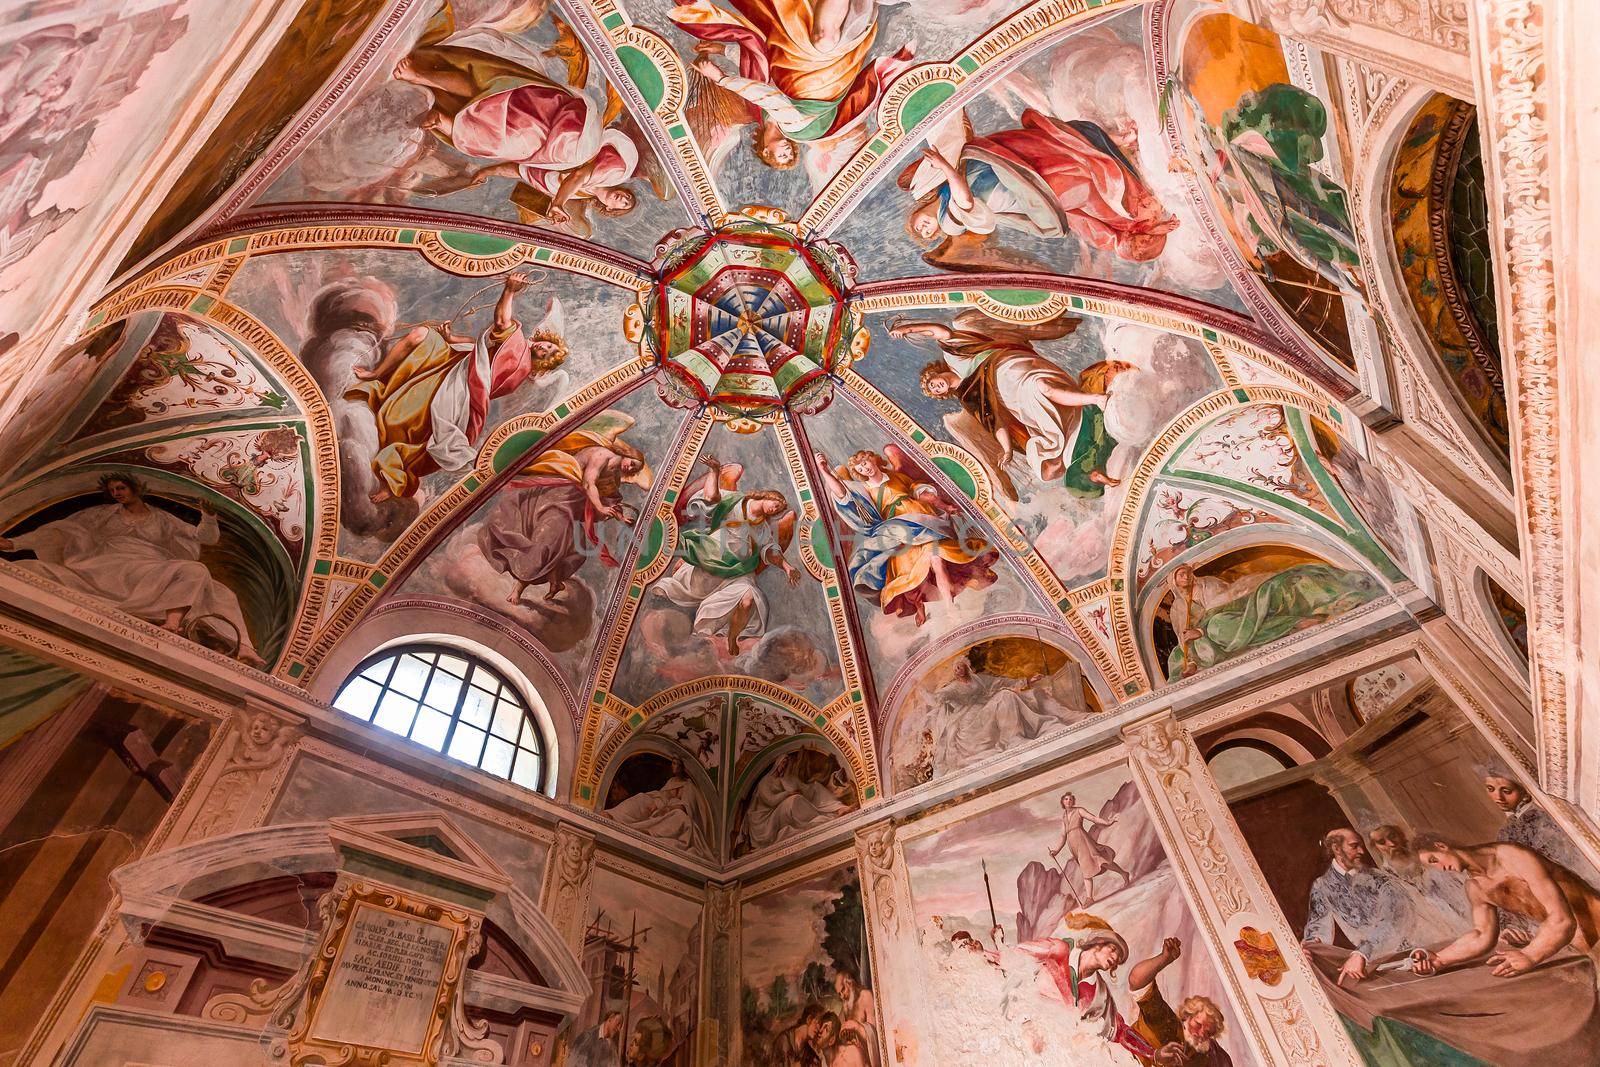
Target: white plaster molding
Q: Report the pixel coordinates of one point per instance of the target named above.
(1538, 89)
(1442, 514)
(1379, 109)
(1425, 39)
(154, 886)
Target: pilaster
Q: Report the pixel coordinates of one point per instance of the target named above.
(892, 935)
(719, 993)
(568, 883)
(233, 788)
(1290, 1020)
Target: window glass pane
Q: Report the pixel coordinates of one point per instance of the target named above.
(526, 772)
(430, 728)
(395, 713)
(442, 691)
(507, 720)
(497, 758)
(379, 671)
(410, 674)
(466, 744)
(358, 698)
(477, 708)
(434, 697)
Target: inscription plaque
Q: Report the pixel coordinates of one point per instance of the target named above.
(384, 986)
(385, 982)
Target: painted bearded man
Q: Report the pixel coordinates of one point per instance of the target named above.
(1015, 403)
(1185, 1037)
(429, 392)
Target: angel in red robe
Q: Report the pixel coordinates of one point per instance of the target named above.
(492, 102)
(1046, 177)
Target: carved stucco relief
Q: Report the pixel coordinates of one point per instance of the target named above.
(1517, 112)
(720, 989)
(235, 790)
(1427, 39)
(1290, 1020)
(568, 882)
(892, 933)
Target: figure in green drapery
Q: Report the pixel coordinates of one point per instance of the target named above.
(1268, 143)
(1217, 619)
(726, 538)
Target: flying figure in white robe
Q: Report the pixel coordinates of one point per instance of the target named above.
(140, 559)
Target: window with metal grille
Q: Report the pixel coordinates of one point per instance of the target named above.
(449, 701)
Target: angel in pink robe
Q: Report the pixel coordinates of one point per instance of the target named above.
(491, 102)
(1045, 177)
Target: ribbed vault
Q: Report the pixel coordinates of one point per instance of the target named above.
(769, 421)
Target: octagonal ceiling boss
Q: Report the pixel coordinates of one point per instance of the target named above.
(750, 318)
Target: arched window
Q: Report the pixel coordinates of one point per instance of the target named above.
(1241, 762)
(449, 701)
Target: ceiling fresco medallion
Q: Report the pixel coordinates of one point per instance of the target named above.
(750, 319)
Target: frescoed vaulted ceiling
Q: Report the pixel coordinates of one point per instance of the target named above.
(768, 368)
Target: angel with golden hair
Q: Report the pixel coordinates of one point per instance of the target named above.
(1014, 404)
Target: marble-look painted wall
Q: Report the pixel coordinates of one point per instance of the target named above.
(316, 789)
(85, 779)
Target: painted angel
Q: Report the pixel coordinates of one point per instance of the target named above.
(429, 391)
(546, 521)
(1016, 404)
(1046, 178)
(1262, 158)
(548, 378)
(909, 548)
(492, 101)
(727, 537)
(806, 71)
